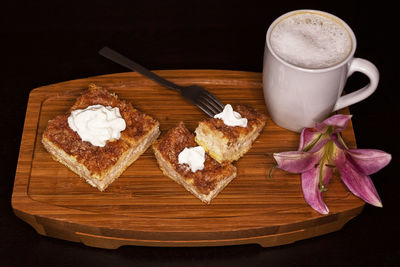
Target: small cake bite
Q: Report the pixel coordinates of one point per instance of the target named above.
(230, 134)
(100, 136)
(182, 160)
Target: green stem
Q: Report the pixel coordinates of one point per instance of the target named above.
(271, 170)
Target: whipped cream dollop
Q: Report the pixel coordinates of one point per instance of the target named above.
(231, 117)
(194, 157)
(97, 124)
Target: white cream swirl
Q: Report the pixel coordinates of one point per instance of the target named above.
(97, 124)
(231, 118)
(194, 157)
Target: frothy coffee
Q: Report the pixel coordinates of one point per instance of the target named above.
(310, 40)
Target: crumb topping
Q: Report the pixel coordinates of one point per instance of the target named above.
(204, 180)
(96, 159)
(99, 159)
(137, 123)
(254, 119)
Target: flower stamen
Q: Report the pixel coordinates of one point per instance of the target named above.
(340, 137)
(330, 165)
(321, 185)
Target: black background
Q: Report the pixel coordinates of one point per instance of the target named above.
(48, 42)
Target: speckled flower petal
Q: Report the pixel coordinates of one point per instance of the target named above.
(310, 140)
(359, 184)
(338, 121)
(311, 190)
(368, 161)
(297, 161)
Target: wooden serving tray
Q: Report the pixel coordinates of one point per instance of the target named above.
(144, 207)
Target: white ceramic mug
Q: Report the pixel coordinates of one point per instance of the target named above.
(298, 96)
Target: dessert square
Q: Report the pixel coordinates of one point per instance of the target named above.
(205, 184)
(100, 165)
(228, 143)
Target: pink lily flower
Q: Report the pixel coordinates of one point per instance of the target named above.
(321, 150)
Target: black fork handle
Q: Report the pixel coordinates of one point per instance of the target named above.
(126, 62)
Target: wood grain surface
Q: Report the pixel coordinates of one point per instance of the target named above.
(144, 207)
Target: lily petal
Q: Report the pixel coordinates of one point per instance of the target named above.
(311, 191)
(339, 121)
(297, 161)
(358, 183)
(307, 137)
(368, 161)
(312, 141)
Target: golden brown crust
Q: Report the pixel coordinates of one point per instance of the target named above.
(96, 95)
(98, 160)
(137, 123)
(254, 119)
(172, 143)
(226, 143)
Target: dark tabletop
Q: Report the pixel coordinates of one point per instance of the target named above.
(45, 43)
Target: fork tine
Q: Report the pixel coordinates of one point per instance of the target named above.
(205, 109)
(212, 101)
(217, 102)
(206, 101)
(205, 104)
(215, 108)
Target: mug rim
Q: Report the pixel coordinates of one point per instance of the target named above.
(318, 12)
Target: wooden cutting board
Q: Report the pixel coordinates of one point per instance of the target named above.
(144, 207)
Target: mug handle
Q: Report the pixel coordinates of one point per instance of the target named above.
(367, 68)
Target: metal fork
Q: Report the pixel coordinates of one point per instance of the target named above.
(202, 98)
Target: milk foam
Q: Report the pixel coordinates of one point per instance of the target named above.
(310, 41)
